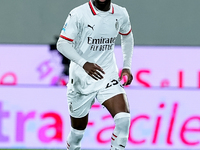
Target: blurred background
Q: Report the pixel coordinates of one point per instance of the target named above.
(164, 97)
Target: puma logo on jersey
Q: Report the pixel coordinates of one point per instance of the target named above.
(92, 27)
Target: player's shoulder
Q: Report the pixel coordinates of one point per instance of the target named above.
(80, 9)
(119, 9)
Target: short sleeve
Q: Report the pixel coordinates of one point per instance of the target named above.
(70, 28)
(125, 28)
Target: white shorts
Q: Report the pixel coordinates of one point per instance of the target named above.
(79, 104)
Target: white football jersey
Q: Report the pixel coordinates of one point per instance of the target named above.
(93, 34)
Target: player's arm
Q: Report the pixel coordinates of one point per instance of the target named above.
(67, 36)
(65, 47)
(127, 43)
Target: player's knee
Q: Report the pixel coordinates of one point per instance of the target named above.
(122, 124)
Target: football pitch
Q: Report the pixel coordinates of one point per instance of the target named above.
(44, 149)
(47, 149)
(32, 149)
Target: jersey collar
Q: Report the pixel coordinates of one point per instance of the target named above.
(95, 11)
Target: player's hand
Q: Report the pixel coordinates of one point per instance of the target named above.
(126, 72)
(93, 70)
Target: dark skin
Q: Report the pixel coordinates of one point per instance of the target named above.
(103, 5)
(116, 104)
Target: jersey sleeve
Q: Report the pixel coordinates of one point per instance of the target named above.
(125, 28)
(70, 28)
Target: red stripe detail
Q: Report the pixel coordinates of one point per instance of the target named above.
(114, 135)
(68, 144)
(92, 9)
(112, 10)
(66, 38)
(112, 139)
(125, 33)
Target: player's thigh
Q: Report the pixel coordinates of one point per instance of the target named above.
(79, 106)
(117, 104)
(114, 98)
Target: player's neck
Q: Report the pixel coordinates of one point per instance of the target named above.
(102, 6)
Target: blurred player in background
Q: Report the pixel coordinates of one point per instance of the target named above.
(88, 40)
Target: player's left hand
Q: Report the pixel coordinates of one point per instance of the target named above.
(126, 72)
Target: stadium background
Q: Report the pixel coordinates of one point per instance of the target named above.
(166, 68)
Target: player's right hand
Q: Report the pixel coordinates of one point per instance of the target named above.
(93, 70)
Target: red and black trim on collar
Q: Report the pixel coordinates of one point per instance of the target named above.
(66, 38)
(93, 10)
(126, 33)
(113, 10)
